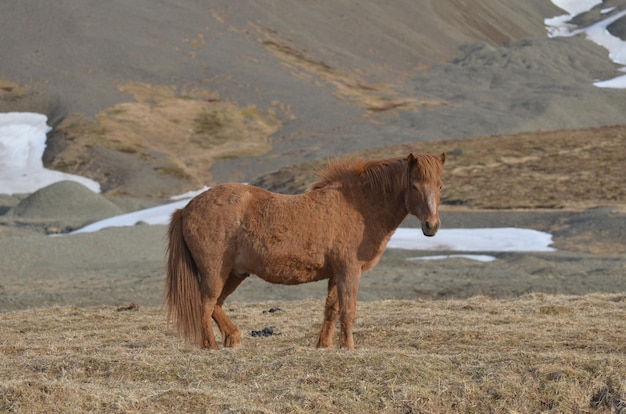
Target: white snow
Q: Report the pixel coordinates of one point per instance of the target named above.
(477, 257)
(159, 215)
(507, 239)
(189, 194)
(22, 143)
(559, 26)
(576, 7)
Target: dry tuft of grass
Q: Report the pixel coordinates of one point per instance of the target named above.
(11, 89)
(536, 353)
(556, 169)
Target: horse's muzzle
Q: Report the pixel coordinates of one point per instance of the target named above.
(430, 228)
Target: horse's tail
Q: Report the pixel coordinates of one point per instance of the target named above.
(182, 289)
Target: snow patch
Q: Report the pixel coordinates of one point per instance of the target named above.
(22, 143)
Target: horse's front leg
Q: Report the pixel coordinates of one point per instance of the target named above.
(347, 291)
(331, 313)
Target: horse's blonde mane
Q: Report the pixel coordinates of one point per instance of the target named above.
(388, 175)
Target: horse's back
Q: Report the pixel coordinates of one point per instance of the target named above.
(223, 202)
(224, 211)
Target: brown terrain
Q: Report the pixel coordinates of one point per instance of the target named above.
(152, 99)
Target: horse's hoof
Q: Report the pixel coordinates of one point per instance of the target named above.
(210, 348)
(323, 344)
(233, 340)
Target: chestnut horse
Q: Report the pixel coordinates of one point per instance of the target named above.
(336, 231)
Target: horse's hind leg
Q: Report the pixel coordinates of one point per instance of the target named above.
(208, 336)
(331, 313)
(211, 289)
(230, 333)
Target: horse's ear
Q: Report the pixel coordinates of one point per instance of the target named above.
(411, 160)
(442, 157)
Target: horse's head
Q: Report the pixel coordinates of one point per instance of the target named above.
(424, 192)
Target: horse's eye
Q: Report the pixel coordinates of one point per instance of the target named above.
(414, 186)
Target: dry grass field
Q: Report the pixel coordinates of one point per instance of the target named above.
(536, 353)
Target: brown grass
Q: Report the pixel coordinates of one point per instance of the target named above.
(532, 354)
(557, 169)
(11, 89)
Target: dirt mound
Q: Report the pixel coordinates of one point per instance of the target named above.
(65, 203)
(618, 28)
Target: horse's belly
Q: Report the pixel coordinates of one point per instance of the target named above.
(284, 270)
(292, 277)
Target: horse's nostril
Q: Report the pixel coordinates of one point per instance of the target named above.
(429, 228)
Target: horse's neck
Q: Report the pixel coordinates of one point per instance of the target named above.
(388, 210)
